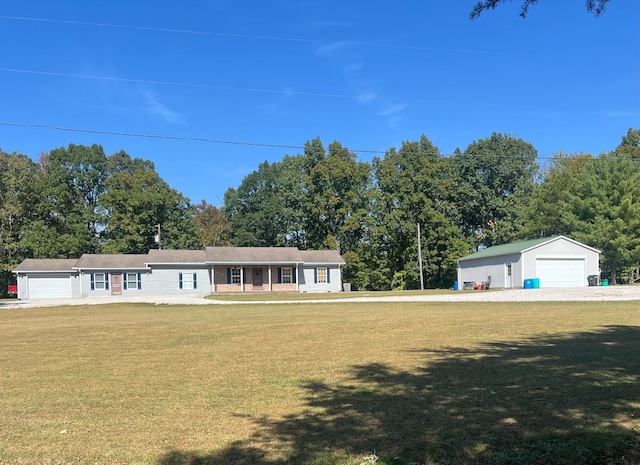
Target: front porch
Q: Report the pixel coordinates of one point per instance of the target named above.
(254, 278)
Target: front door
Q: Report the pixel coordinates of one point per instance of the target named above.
(508, 283)
(257, 278)
(116, 284)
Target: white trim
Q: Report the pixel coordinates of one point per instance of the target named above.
(560, 257)
(553, 239)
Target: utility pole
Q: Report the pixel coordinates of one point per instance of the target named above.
(420, 259)
(159, 240)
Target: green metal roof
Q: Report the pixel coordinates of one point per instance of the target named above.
(507, 249)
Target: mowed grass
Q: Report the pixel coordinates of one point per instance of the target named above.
(320, 384)
(321, 296)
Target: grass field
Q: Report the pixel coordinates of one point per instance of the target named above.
(434, 383)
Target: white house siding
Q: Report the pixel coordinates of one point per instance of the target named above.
(307, 279)
(479, 270)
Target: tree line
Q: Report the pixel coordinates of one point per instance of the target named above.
(77, 199)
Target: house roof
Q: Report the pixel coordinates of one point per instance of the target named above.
(110, 261)
(517, 247)
(211, 255)
(266, 255)
(175, 256)
(321, 256)
(46, 265)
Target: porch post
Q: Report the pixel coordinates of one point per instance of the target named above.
(212, 270)
(270, 287)
(297, 279)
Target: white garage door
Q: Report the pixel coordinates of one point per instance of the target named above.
(561, 272)
(49, 286)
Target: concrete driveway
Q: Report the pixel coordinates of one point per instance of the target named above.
(606, 293)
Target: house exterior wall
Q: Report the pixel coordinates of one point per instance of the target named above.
(22, 280)
(85, 278)
(480, 269)
(174, 277)
(307, 279)
(561, 248)
(165, 279)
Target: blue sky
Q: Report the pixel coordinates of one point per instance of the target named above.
(258, 76)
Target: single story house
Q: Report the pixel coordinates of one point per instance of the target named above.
(212, 270)
(553, 262)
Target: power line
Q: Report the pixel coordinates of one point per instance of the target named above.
(246, 143)
(239, 89)
(252, 36)
(177, 84)
(165, 137)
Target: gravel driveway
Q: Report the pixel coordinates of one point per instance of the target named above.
(611, 293)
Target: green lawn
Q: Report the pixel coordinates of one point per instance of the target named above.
(319, 384)
(294, 296)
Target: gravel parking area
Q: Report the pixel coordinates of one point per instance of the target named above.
(606, 293)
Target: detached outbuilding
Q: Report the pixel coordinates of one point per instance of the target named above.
(552, 262)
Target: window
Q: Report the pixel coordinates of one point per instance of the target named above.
(100, 281)
(286, 276)
(188, 280)
(322, 275)
(236, 275)
(132, 281)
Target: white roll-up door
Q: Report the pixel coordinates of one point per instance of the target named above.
(561, 272)
(50, 285)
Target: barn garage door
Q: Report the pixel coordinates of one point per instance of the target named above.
(561, 272)
(51, 285)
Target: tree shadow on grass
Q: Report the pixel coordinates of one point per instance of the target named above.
(570, 399)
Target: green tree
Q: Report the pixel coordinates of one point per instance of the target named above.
(69, 217)
(594, 200)
(136, 203)
(258, 211)
(596, 7)
(414, 185)
(337, 197)
(19, 178)
(494, 180)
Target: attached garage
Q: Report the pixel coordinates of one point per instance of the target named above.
(47, 279)
(552, 262)
(49, 285)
